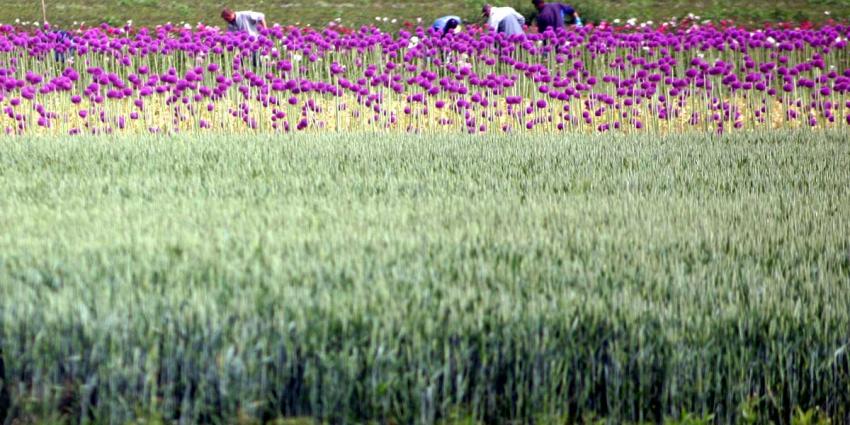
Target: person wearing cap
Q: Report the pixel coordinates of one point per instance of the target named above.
(505, 20)
(554, 15)
(447, 24)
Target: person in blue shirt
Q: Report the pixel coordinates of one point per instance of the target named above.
(570, 16)
(447, 24)
(60, 53)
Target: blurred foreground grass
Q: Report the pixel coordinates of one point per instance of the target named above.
(400, 279)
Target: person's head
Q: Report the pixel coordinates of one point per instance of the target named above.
(538, 4)
(451, 26)
(485, 10)
(228, 15)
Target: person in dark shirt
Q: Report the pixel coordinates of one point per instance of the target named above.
(554, 15)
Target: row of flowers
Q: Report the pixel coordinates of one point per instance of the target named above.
(673, 77)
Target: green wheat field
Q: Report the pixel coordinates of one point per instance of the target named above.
(393, 279)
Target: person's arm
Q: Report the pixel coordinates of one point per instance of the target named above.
(569, 11)
(574, 14)
(261, 21)
(492, 22)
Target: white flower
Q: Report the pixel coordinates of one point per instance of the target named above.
(827, 13)
(17, 20)
(771, 40)
(378, 18)
(617, 21)
(394, 20)
(296, 57)
(187, 26)
(385, 19)
(419, 20)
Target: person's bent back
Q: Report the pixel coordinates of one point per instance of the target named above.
(245, 21)
(554, 15)
(505, 20)
(447, 24)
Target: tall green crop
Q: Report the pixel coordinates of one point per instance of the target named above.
(354, 278)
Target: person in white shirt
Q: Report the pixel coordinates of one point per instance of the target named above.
(503, 19)
(247, 21)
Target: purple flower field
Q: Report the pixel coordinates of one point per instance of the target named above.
(664, 79)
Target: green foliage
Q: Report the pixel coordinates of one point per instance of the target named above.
(809, 417)
(686, 418)
(356, 278)
(748, 411)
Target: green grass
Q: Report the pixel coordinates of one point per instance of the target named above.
(406, 279)
(360, 12)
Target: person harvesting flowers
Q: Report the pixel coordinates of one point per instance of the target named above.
(247, 21)
(447, 24)
(554, 15)
(503, 19)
